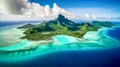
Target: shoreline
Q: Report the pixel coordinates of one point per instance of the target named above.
(39, 48)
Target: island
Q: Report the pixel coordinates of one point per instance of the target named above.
(60, 26)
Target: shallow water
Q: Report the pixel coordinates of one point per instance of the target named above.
(69, 52)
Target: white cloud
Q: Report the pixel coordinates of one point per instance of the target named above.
(93, 13)
(93, 16)
(56, 10)
(90, 16)
(87, 16)
(23, 9)
(47, 10)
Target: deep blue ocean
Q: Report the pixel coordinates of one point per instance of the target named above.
(74, 58)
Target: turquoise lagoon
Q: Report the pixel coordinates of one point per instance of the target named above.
(13, 49)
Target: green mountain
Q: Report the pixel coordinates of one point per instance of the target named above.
(60, 25)
(26, 26)
(102, 24)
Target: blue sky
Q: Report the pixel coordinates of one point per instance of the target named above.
(80, 3)
(104, 8)
(75, 9)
